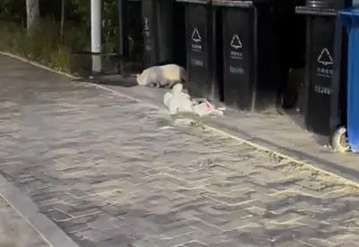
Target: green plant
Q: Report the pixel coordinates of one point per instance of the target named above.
(60, 59)
(45, 44)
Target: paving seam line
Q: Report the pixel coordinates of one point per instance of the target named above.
(26, 220)
(17, 200)
(344, 180)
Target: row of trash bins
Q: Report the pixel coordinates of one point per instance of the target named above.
(240, 51)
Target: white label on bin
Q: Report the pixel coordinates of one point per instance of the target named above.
(147, 29)
(236, 70)
(322, 90)
(148, 48)
(325, 58)
(197, 62)
(196, 36)
(236, 42)
(324, 72)
(147, 24)
(236, 55)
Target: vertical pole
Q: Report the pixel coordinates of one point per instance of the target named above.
(96, 35)
(33, 14)
(62, 19)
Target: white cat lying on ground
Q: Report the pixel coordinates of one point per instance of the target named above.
(162, 76)
(177, 101)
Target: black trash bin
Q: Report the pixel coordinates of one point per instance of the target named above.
(162, 32)
(325, 59)
(130, 37)
(252, 73)
(158, 31)
(202, 42)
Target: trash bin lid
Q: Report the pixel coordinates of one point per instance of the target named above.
(240, 3)
(322, 3)
(232, 3)
(350, 17)
(323, 7)
(195, 1)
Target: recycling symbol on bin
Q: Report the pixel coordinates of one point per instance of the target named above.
(196, 36)
(325, 58)
(236, 42)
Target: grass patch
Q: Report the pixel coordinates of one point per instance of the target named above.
(44, 45)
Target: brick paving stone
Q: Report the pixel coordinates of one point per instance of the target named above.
(112, 171)
(15, 231)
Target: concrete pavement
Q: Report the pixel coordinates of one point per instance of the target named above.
(109, 170)
(15, 231)
(283, 133)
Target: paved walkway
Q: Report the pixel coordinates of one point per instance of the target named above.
(112, 171)
(15, 231)
(283, 133)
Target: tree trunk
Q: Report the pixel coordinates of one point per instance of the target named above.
(33, 14)
(62, 19)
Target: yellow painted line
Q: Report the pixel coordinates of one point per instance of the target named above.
(343, 180)
(25, 60)
(68, 75)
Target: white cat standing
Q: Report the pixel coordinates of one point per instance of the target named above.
(162, 76)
